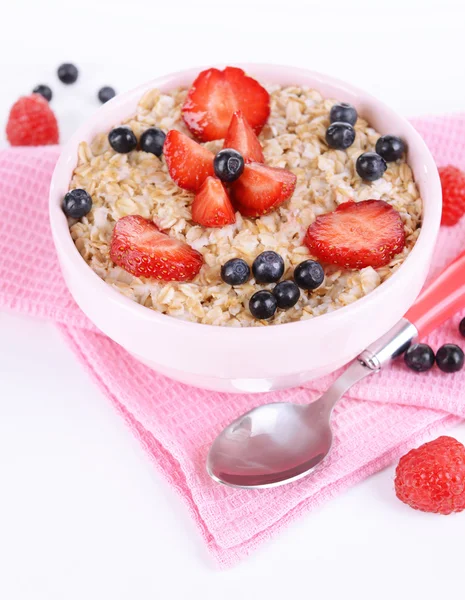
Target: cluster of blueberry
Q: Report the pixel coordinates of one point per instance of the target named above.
(268, 267)
(123, 140)
(68, 73)
(449, 358)
(340, 135)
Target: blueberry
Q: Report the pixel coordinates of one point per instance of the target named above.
(263, 305)
(152, 141)
(390, 147)
(268, 267)
(343, 112)
(106, 93)
(67, 73)
(287, 294)
(309, 275)
(228, 165)
(77, 203)
(370, 166)
(235, 271)
(340, 135)
(462, 327)
(122, 139)
(419, 358)
(44, 91)
(450, 358)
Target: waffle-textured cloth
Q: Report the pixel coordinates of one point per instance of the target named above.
(381, 418)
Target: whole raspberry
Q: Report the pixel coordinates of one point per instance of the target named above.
(32, 122)
(453, 194)
(431, 478)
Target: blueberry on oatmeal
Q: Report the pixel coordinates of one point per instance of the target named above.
(228, 165)
(152, 140)
(263, 305)
(77, 204)
(343, 112)
(390, 147)
(235, 271)
(370, 166)
(287, 294)
(340, 136)
(268, 267)
(309, 275)
(122, 140)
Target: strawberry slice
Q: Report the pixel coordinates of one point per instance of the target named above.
(357, 235)
(189, 163)
(261, 189)
(137, 246)
(211, 206)
(242, 138)
(215, 95)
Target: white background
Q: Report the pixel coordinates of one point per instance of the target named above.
(82, 512)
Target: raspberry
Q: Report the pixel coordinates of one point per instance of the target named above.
(32, 122)
(431, 478)
(453, 194)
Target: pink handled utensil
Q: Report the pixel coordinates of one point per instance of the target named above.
(278, 443)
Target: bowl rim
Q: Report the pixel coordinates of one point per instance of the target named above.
(64, 243)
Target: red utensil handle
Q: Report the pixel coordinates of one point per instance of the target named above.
(441, 299)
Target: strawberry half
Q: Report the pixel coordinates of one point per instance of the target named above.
(189, 163)
(261, 189)
(137, 246)
(215, 95)
(357, 234)
(211, 206)
(242, 138)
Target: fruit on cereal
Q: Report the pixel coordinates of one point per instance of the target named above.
(77, 203)
(153, 140)
(340, 136)
(189, 163)
(453, 194)
(216, 95)
(419, 358)
(32, 122)
(137, 246)
(370, 166)
(106, 93)
(212, 206)
(44, 90)
(228, 165)
(357, 235)
(390, 147)
(262, 189)
(287, 294)
(263, 305)
(309, 275)
(450, 358)
(235, 271)
(431, 478)
(268, 267)
(242, 138)
(343, 112)
(67, 73)
(122, 139)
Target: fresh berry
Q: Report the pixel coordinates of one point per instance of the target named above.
(242, 138)
(106, 93)
(44, 91)
(263, 305)
(390, 147)
(235, 271)
(211, 206)
(431, 478)
(287, 294)
(152, 140)
(137, 246)
(262, 189)
(122, 139)
(343, 112)
(309, 275)
(450, 358)
(462, 327)
(189, 163)
(228, 165)
(32, 122)
(453, 194)
(216, 95)
(370, 166)
(67, 73)
(357, 235)
(419, 358)
(340, 135)
(268, 267)
(77, 203)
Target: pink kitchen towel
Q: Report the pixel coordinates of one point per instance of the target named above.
(381, 418)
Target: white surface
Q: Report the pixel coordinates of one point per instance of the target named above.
(82, 512)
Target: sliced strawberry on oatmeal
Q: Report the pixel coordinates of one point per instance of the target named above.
(137, 246)
(242, 138)
(189, 163)
(261, 189)
(357, 235)
(212, 206)
(215, 95)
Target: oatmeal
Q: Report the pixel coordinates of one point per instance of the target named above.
(138, 183)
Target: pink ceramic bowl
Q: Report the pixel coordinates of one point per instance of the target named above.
(253, 359)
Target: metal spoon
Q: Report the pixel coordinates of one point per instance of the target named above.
(281, 442)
